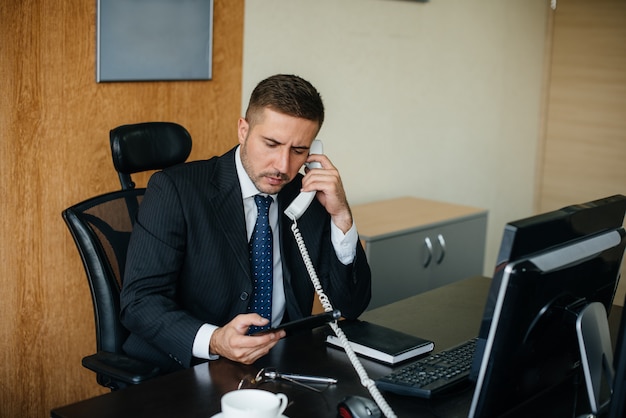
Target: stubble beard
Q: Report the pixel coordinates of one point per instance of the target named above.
(257, 179)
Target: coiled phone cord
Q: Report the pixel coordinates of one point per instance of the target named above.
(328, 307)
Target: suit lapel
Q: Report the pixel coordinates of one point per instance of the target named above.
(284, 223)
(228, 209)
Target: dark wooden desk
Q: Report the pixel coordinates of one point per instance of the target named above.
(447, 315)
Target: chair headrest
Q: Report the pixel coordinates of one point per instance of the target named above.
(149, 146)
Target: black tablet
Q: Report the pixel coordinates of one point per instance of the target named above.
(309, 322)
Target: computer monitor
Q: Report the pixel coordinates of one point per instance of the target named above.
(550, 267)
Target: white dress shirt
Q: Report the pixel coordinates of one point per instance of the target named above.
(345, 248)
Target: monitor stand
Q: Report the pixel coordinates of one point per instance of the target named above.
(596, 353)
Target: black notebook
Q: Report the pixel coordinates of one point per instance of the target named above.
(381, 343)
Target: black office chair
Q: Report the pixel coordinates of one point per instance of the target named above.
(101, 228)
(147, 146)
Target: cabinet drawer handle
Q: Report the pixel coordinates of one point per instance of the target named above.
(429, 248)
(442, 245)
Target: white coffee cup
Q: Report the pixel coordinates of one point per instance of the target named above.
(253, 403)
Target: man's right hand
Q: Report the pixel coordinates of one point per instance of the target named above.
(231, 340)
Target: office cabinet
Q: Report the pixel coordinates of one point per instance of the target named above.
(414, 245)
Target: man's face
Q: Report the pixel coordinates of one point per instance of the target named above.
(274, 149)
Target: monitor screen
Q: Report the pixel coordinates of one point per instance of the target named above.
(549, 267)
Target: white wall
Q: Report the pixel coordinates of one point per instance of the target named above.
(439, 100)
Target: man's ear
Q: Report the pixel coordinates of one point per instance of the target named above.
(242, 130)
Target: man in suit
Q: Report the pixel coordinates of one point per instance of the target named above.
(188, 287)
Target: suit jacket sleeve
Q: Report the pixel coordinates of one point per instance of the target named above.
(347, 287)
(150, 306)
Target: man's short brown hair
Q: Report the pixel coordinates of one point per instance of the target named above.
(287, 94)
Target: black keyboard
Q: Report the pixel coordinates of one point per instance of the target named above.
(430, 375)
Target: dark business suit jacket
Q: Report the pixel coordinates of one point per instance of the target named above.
(188, 261)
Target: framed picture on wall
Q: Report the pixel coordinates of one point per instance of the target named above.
(158, 40)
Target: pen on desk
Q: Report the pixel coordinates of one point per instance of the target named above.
(308, 379)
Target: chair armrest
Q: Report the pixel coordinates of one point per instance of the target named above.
(120, 367)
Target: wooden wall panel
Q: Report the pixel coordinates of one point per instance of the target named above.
(584, 152)
(54, 152)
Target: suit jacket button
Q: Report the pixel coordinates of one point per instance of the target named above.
(244, 296)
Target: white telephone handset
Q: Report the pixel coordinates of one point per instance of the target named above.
(300, 204)
(295, 210)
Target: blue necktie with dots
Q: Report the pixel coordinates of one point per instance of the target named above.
(261, 261)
